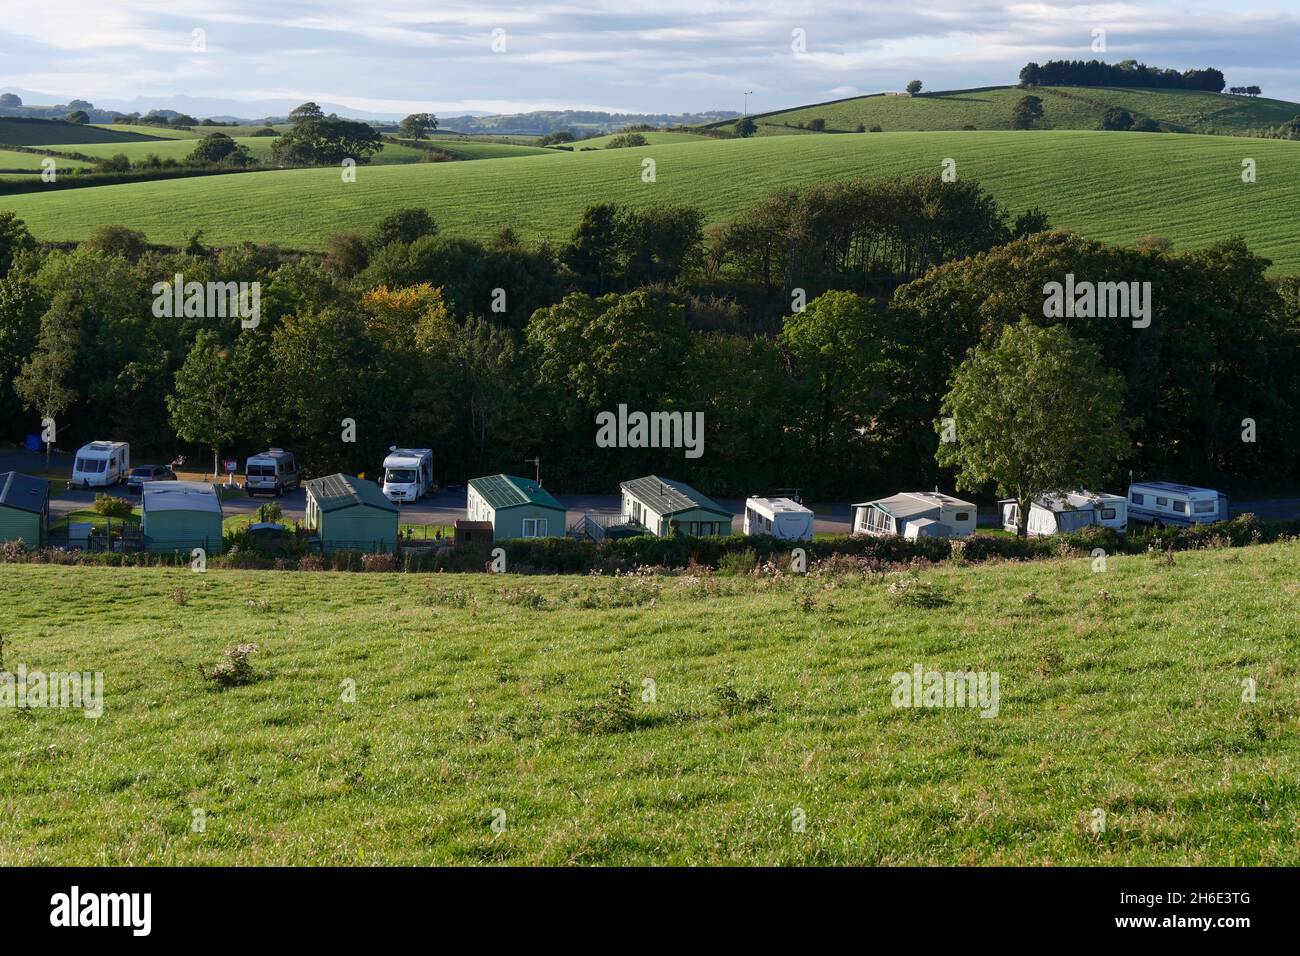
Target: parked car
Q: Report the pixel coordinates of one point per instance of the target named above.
(136, 480)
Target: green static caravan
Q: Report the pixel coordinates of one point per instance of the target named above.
(351, 514)
(180, 516)
(516, 507)
(24, 508)
(661, 504)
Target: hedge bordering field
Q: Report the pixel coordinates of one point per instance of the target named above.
(734, 553)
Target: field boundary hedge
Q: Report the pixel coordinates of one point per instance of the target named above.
(735, 552)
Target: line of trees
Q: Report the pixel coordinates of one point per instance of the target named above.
(1125, 73)
(811, 370)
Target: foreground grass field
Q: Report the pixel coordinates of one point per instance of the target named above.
(1064, 107)
(482, 699)
(1110, 186)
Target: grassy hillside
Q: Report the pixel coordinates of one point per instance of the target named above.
(11, 159)
(1110, 186)
(24, 131)
(653, 138)
(1119, 691)
(1063, 108)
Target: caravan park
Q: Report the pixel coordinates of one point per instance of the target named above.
(876, 471)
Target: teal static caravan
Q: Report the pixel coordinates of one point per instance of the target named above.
(662, 505)
(516, 508)
(24, 508)
(350, 514)
(180, 516)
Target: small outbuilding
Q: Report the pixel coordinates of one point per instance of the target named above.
(516, 508)
(661, 504)
(180, 516)
(915, 514)
(350, 514)
(24, 508)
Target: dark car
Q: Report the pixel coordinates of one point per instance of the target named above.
(135, 482)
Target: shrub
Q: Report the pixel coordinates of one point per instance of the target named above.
(738, 562)
(377, 562)
(732, 701)
(612, 714)
(234, 667)
(111, 506)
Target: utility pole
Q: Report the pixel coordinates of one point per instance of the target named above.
(538, 462)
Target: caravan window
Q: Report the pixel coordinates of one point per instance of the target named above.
(1136, 498)
(261, 471)
(963, 516)
(400, 476)
(1205, 507)
(91, 466)
(1162, 502)
(1107, 514)
(1180, 507)
(534, 527)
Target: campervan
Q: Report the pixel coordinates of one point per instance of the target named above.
(782, 518)
(101, 463)
(271, 472)
(1070, 511)
(408, 473)
(1165, 502)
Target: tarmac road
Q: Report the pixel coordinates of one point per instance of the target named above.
(447, 505)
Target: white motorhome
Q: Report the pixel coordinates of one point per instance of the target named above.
(1165, 502)
(1061, 513)
(271, 472)
(408, 473)
(101, 463)
(915, 514)
(782, 518)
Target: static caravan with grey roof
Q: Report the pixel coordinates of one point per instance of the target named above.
(350, 514)
(915, 514)
(661, 504)
(24, 508)
(180, 516)
(516, 508)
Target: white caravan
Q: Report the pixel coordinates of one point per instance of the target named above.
(1070, 511)
(271, 472)
(101, 463)
(782, 518)
(1165, 502)
(915, 514)
(408, 473)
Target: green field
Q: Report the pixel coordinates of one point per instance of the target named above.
(653, 138)
(17, 131)
(9, 159)
(1119, 691)
(1110, 186)
(1063, 108)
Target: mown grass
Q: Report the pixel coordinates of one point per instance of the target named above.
(11, 159)
(23, 131)
(1110, 186)
(478, 694)
(1066, 107)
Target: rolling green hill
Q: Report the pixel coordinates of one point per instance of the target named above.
(1110, 186)
(1187, 111)
(12, 159)
(1119, 691)
(654, 138)
(26, 131)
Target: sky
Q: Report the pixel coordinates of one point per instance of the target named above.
(392, 57)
